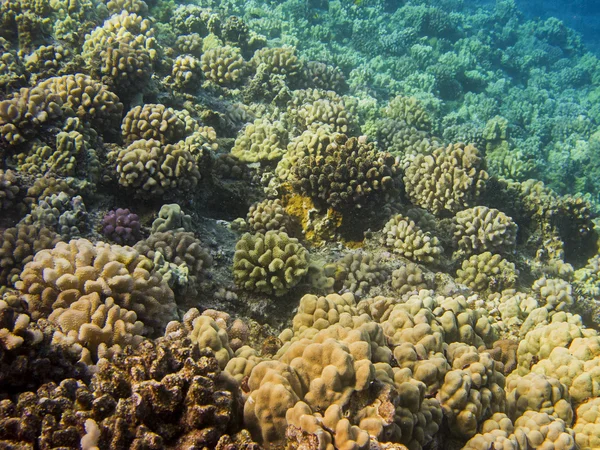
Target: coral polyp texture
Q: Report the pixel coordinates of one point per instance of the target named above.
(271, 263)
(349, 173)
(448, 180)
(148, 167)
(59, 276)
(346, 225)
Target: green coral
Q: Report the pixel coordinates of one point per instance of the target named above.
(270, 263)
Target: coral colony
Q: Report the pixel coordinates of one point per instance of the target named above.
(297, 225)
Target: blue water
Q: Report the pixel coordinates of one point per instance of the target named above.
(581, 15)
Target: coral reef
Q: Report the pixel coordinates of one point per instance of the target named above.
(151, 168)
(59, 276)
(321, 166)
(349, 173)
(407, 239)
(482, 229)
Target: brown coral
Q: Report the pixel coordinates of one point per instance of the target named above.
(448, 180)
(350, 173)
(60, 276)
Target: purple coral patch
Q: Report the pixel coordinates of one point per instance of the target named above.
(121, 226)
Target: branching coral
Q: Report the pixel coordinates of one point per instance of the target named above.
(171, 217)
(409, 110)
(266, 216)
(279, 60)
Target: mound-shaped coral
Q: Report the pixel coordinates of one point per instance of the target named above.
(358, 272)
(180, 250)
(122, 52)
(101, 328)
(482, 229)
(407, 239)
(151, 168)
(448, 180)
(223, 65)
(9, 188)
(261, 141)
(156, 121)
(17, 247)
(58, 277)
(350, 173)
(270, 263)
(279, 60)
(487, 271)
(184, 398)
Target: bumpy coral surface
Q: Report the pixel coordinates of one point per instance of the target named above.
(448, 180)
(483, 229)
(406, 238)
(156, 122)
(223, 65)
(261, 141)
(149, 167)
(122, 52)
(121, 226)
(269, 263)
(58, 277)
(427, 305)
(349, 173)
